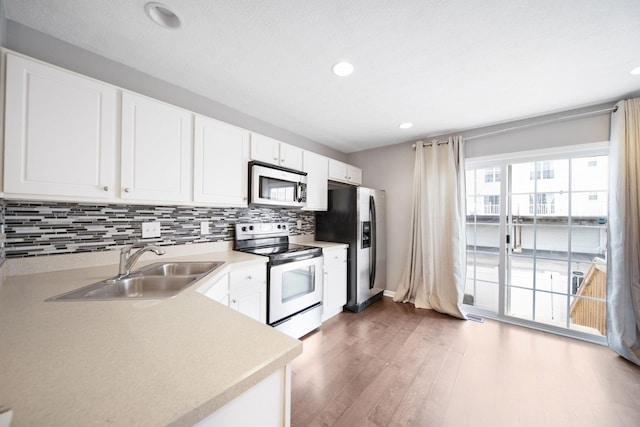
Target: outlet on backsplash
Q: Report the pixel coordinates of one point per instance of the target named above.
(150, 229)
(204, 227)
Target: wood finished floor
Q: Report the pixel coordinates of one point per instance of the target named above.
(393, 365)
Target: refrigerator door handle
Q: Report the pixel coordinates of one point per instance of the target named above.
(372, 258)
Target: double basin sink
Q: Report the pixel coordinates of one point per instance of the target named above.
(155, 281)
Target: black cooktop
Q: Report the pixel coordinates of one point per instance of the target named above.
(283, 251)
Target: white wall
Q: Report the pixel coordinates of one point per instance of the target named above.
(3, 24)
(391, 168)
(57, 52)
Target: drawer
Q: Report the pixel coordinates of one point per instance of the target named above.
(335, 255)
(248, 276)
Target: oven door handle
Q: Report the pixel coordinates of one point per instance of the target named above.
(294, 259)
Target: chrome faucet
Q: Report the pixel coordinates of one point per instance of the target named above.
(127, 261)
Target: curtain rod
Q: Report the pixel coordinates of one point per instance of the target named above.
(573, 116)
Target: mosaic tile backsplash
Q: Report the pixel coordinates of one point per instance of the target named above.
(47, 228)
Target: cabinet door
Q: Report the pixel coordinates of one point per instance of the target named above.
(337, 170)
(220, 156)
(335, 282)
(60, 132)
(250, 301)
(265, 149)
(219, 291)
(316, 167)
(156, 150)
(248, 291)
(354, 175)
(290, 156)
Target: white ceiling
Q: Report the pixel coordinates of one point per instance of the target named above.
(443, 65)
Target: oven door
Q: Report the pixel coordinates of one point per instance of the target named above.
(275, 187)
(293, 287)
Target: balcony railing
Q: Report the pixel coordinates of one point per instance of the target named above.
(592, 312)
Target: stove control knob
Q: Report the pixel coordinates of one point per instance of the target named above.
(284, 226)
(244, 228)
(251, 227)
(279, 226)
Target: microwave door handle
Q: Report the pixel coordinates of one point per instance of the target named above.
(299, 192)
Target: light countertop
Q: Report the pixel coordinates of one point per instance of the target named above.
(146, 362)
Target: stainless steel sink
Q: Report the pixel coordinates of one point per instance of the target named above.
(155, 281)
(177, 269)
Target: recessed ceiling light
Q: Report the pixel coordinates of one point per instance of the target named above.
(162, 15)
(636, 71)
(405, 125)
(343, 69)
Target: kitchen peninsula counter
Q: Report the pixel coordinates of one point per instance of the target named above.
(130, 362)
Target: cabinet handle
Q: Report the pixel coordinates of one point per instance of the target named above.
(250, 277)
(233, 301)
(105, 188)
(127, 190)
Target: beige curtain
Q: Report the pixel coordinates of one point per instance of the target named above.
(434, 274)
(623, 271)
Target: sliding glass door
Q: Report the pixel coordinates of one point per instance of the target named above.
(537, 234)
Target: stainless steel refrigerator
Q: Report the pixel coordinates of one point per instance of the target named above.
(356, 215)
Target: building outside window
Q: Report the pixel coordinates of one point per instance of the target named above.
(492, 175)
(544, 204)
(492, 204)
(542, 170)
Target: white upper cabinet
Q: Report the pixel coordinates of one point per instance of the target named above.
(220, 156)
(269, 150)
(60, 133)
(156, 150)
(316, 167)
(290, 156)
(342, 172)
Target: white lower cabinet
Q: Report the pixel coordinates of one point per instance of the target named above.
(335, 281)
(266, 404)
(248, 292)
(244, 290)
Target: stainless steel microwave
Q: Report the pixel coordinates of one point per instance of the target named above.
(274, 186)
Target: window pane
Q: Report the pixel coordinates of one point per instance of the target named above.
(520, 303)
(487, 236)
(552, 275)
(590, 173)
(553, 176)
(472, 207)
(588, 315)
(551, 308)
(521, 178)
(589, 204)
(487, 295)
(520, 205)
(470, 181)
(552, 241)
(522, 238)
(521, 271)
(588, 243)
